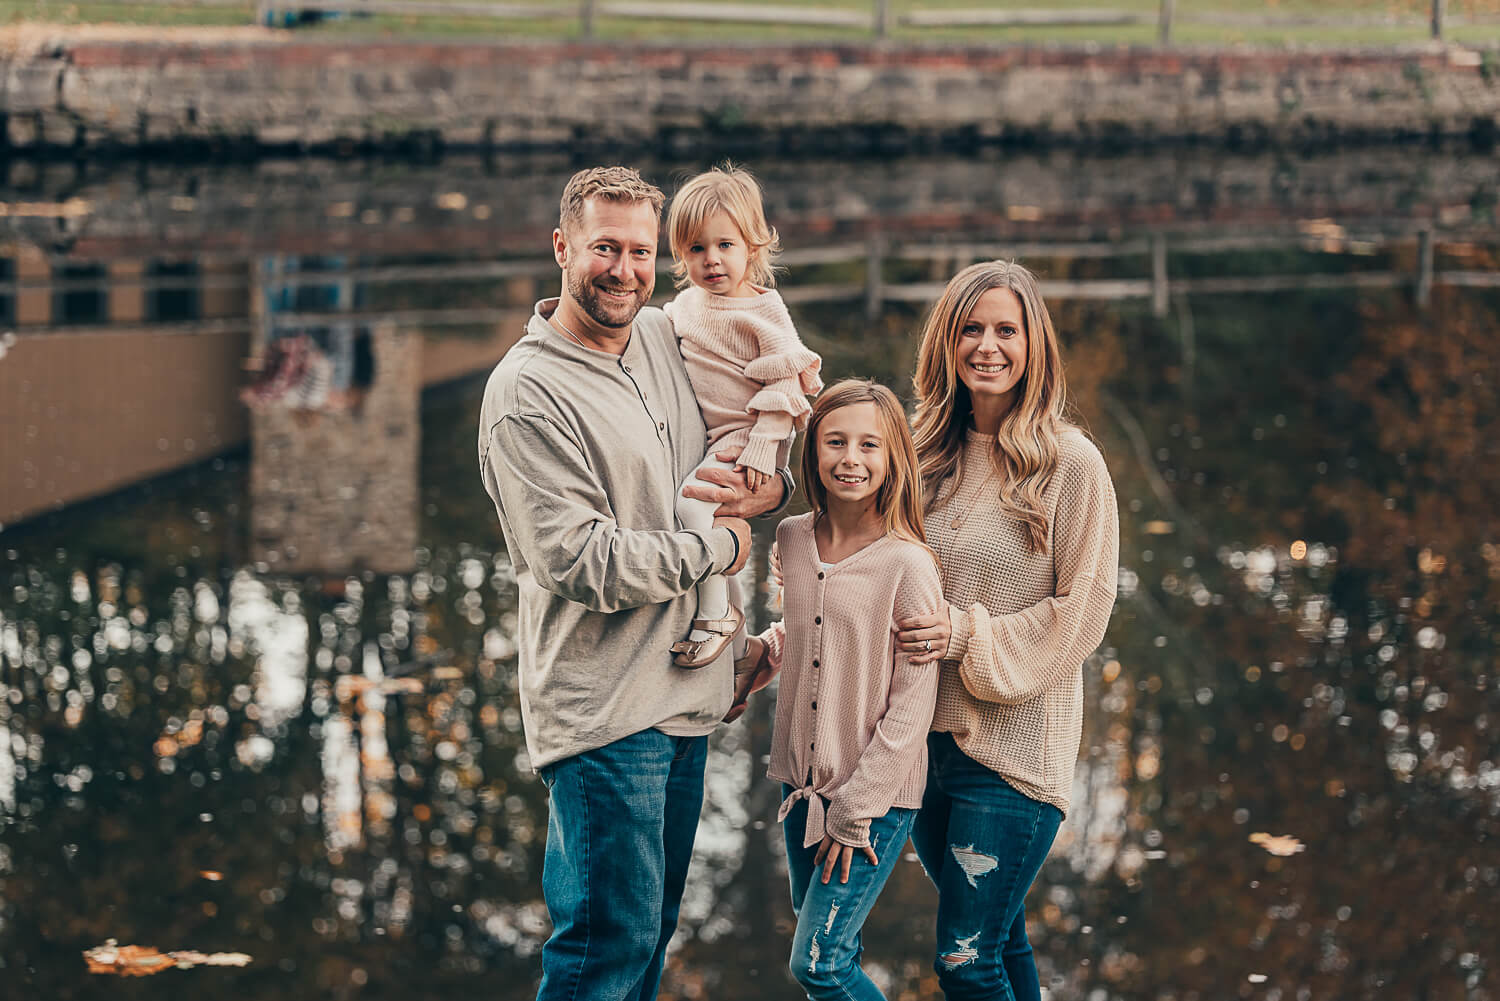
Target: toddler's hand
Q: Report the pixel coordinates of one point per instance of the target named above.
(754, 478)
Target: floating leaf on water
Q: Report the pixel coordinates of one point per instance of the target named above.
(126, 961)
(1256, 978)
(1299, 549)
(212, 875)
(143, 961)
(453, 201)
(1158, 528)
(1278, 844)
(187, 960)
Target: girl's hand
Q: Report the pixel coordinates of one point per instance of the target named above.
(751, 681)
(833, 853)
(776, 565)
(926, 637)
(754, 478)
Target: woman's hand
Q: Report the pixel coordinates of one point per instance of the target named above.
(926, 637)
(832, 853)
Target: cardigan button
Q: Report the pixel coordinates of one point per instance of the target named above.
(815, 662)
(818, 620)
(815, 705)
(820, 575)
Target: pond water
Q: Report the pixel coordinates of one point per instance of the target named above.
(258, 665)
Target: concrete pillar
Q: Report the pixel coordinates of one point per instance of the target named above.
(33, 306)
(126, 296)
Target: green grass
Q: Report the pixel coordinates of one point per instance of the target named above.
(567, 26)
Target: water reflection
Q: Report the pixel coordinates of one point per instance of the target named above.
(294, 664)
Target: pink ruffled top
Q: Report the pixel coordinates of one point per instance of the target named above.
(750, 371)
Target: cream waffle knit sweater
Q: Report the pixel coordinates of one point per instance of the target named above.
(749, 370)
(1011, 690)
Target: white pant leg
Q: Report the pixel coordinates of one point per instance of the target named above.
(698, 515)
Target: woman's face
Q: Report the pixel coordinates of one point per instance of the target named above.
(991, 350)
(852, 457)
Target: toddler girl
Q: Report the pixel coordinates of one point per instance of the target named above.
(749, 370)
(852, 712)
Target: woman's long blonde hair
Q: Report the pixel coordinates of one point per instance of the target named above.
(899, 499)
(1025, 451)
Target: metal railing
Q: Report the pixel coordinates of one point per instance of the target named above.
(877, 21)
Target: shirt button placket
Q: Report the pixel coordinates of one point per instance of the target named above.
(817, 661)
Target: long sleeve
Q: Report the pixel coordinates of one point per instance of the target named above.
(894, 748)
(1010, 659)
(569, 538)
(770, 430)
(775, 640)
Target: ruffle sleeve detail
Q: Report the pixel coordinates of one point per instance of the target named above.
(777, 400)
(795, 363)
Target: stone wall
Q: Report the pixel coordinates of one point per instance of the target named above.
(280, 91)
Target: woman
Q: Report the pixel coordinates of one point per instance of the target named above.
(1021, 512)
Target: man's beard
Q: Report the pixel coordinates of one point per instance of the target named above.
(616, 317)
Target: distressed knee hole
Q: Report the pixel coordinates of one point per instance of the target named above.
(963, 953)
(973, 862)
(814, 950)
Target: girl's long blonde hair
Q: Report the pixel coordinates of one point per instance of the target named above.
(1026, 447)
(899, 498)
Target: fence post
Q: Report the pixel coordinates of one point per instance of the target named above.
(1158, 275)
(882, 18)
(1424, 275)
(586, 16)
(1164, 21)
(874, 277)
(1438, 9)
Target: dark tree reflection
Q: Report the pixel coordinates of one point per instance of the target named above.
(1304, 647)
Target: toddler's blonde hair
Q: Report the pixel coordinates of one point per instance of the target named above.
(733, 191)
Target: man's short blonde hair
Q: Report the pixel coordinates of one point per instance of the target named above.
(612, 184)
(733, 191)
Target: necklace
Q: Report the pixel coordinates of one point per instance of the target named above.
(561, 326)
(958, 522)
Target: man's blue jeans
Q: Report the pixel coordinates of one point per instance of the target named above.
(982, 842)
(620, 827)
(826, 945)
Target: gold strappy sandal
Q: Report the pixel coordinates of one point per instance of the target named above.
(700, 653)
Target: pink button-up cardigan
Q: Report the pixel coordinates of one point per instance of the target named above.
(852, 712)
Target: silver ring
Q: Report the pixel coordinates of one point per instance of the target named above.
(929, 645)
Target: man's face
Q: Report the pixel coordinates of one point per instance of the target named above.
(609, 261)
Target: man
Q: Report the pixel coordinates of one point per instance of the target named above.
(587, 428)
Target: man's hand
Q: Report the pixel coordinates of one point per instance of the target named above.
(728, 489)
(741, 529)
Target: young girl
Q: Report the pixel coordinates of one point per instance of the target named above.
(749, 370)
(852, 713)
